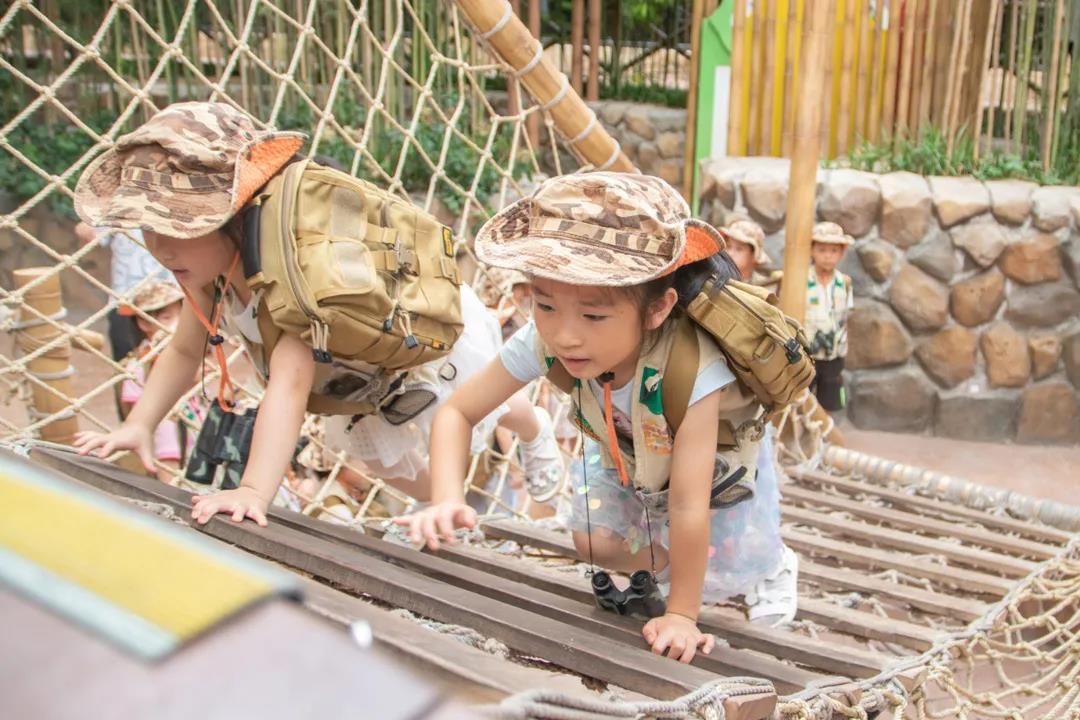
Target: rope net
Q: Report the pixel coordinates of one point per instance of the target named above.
(406, 94)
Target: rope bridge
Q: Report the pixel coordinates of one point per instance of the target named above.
(456, 107)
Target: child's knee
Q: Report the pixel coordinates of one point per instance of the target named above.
(606, 544)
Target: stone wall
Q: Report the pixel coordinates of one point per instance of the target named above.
(967, 318)
(652, 136)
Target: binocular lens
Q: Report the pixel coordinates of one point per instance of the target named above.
(601, 581)
(640, 580)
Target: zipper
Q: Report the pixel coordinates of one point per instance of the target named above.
(320, 332)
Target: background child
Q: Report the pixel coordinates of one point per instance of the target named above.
(161, 301)
(181, 178)
(746, 247)
(829, 300)
(606, 278)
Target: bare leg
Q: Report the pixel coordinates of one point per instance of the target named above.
(520, 418)
(611, 551)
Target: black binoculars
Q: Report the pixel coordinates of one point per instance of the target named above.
(224, 439)
(642, 599)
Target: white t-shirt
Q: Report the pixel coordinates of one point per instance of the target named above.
(131, 261)
(519, 358)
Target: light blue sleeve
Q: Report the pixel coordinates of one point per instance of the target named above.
(518, 355)
(710, 379)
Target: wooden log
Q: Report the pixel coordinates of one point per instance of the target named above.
(577, 42)
(920, 523)
(53, 368)
(906, 66)
(737, 107)
(980, 560)
(892, 69)
(826, 577)
(593, 86)
(690, 147)
(590, 653)
(1050, 537)
(860, 556)
(867, 625)
(804, 164)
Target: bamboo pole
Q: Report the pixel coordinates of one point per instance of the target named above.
(902, 105)
(850, 38)
(993, 28)
(532, 123)
(690, 149)
(825, 124)
(965, 50)
(953, 79)
(577, 42)
(862, 75)
(926, 83)
(757, 64)
(511, 41)
(892, 56)
(1059, 120)
(804, 163)
(592, 91)
(918, 63)
(1009, 75)
(794, 30)
(873, 123)
(1023, 78)
(735, 103)
(768, 76)
(1052, 88)
(52, 368)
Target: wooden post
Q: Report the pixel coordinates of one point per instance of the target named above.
(802, 184)
(54, 367)
(735, 101)
(690, 149)
(577, 42)
(514, 44)
(532, 124)
(592, 93)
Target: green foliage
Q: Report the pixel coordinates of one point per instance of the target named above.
(928, 155)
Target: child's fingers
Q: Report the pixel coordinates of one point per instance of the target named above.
(677, 647)
(146, 456)
(688, 653)
(707, 643)
(445, 525)
(258, 516)
(661, 643)
(466, 517)
(427, 531)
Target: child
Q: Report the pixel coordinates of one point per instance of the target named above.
(182, 178)
(609, 256)
(829, 300)
(161, 301)
(746, 247)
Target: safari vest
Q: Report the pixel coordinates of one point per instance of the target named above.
(650, 465)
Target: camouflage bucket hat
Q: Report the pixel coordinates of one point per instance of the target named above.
(601, 228)
(152, 298)
(185, 172)
(830, 233)
(749, 232)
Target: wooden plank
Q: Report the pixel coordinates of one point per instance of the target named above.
(488, 676)
(867, 625)
(967, 580)
(508, 610)
(1054, 538)
(907, 634)
(926, 600)
(921, 523)
(817, 654)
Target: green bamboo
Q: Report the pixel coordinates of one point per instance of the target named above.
(1023, 79)
(1060, 84)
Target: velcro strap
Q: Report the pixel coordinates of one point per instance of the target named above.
(384, 260)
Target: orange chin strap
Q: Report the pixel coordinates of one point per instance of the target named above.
(613, 438)
(215, 338)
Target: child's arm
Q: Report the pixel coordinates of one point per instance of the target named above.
(170, 378)
(451, 435)
(277, 426)
(692, 463)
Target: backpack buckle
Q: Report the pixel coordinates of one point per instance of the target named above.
(792, 350)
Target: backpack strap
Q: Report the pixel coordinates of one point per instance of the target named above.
(682, 367)
(560, 377)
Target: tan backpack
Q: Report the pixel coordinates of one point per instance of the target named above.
(765, 349)
(357, 272)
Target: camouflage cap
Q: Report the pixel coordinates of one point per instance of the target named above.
(601, 228)
(830, 233)
(183, 173)
(153, 297)
(749, 232)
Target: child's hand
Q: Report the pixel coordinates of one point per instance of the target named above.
(136, 438)
(678, 635)
(441, 519)
(241, 502)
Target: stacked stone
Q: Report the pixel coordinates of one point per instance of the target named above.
(967, 317)
(652, 136)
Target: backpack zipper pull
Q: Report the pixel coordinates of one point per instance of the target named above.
(320, 341)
